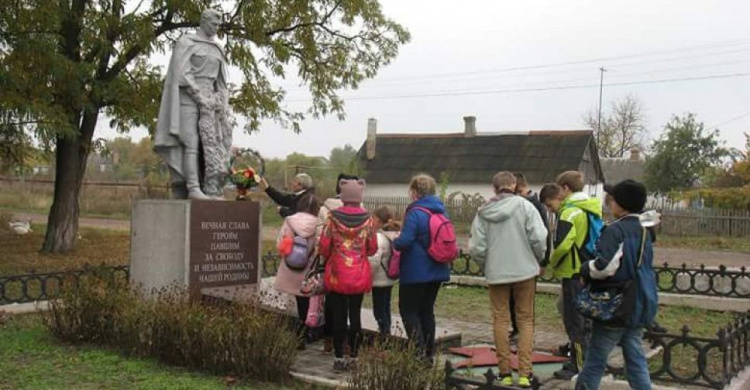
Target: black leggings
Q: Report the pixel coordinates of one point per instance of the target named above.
(417, 304)
(303, 304)
(328, 313)
(345, 307)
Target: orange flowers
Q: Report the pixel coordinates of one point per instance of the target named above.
(244, 177)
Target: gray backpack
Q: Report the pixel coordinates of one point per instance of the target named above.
(300, 255)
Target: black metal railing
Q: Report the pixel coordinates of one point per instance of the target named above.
(720, 281)
(39, 287)
(704, 281)
(705, 361)
(488, 381)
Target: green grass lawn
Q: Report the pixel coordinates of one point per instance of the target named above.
(30, 358)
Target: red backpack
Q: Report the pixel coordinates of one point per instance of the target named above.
(443, 245)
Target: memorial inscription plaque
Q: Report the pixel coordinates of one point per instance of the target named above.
(224, 244)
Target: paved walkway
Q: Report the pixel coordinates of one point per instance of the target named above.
(314, 363)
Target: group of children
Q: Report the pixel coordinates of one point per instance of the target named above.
(587, 252)
(356, 248)
(513, 244)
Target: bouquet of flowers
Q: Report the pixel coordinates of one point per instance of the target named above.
(245, 178)
(241, 171)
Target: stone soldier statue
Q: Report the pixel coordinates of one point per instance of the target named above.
(195, 113)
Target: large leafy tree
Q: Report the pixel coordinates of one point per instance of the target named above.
(623, 127)
(684, 152)
(66, 62)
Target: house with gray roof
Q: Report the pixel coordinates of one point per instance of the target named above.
(618, 169)
(470, 159)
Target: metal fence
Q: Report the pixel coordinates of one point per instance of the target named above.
(675, 221)
(720, 281)
(717, 282)
(39, 287)
(705, 361)
(460, 210)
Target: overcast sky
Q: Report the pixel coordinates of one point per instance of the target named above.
(468, 54)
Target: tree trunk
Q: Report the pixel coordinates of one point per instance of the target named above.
(70, 166)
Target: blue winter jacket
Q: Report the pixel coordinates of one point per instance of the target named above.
(416, 265)
(617, 253)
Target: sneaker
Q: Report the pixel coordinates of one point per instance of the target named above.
(525, 381)
(506, 379)
(351, 364)
(339, 365)
(565, 374)
(562, 350)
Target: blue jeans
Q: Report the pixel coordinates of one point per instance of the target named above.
(381, 308)
(603, 341)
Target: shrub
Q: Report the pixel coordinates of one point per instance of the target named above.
(390, 366)
(237, 339)
(723, 198)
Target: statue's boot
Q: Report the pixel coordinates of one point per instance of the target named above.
(190, 168)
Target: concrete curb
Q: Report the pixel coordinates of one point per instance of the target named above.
(610, 383)
(739, 305)
(316, 380)
(741, 381)
(25, 308)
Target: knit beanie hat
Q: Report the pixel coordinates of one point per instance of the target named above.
(343, 176)
(352, 191)
(629, 194)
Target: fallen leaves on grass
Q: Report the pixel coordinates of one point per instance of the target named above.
(96, 246)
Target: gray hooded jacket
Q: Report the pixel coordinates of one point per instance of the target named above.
(508, 239)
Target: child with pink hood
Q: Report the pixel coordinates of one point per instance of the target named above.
(347, 240)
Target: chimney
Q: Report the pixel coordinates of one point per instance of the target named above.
(372, 136)
(470, 126)
(635, 153)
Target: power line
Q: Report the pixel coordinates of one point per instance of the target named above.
(669, 70)
(730, 121)
(464, 77)
(566, 63)
(496, 92)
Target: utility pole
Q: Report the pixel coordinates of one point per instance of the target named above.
(601, 89)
